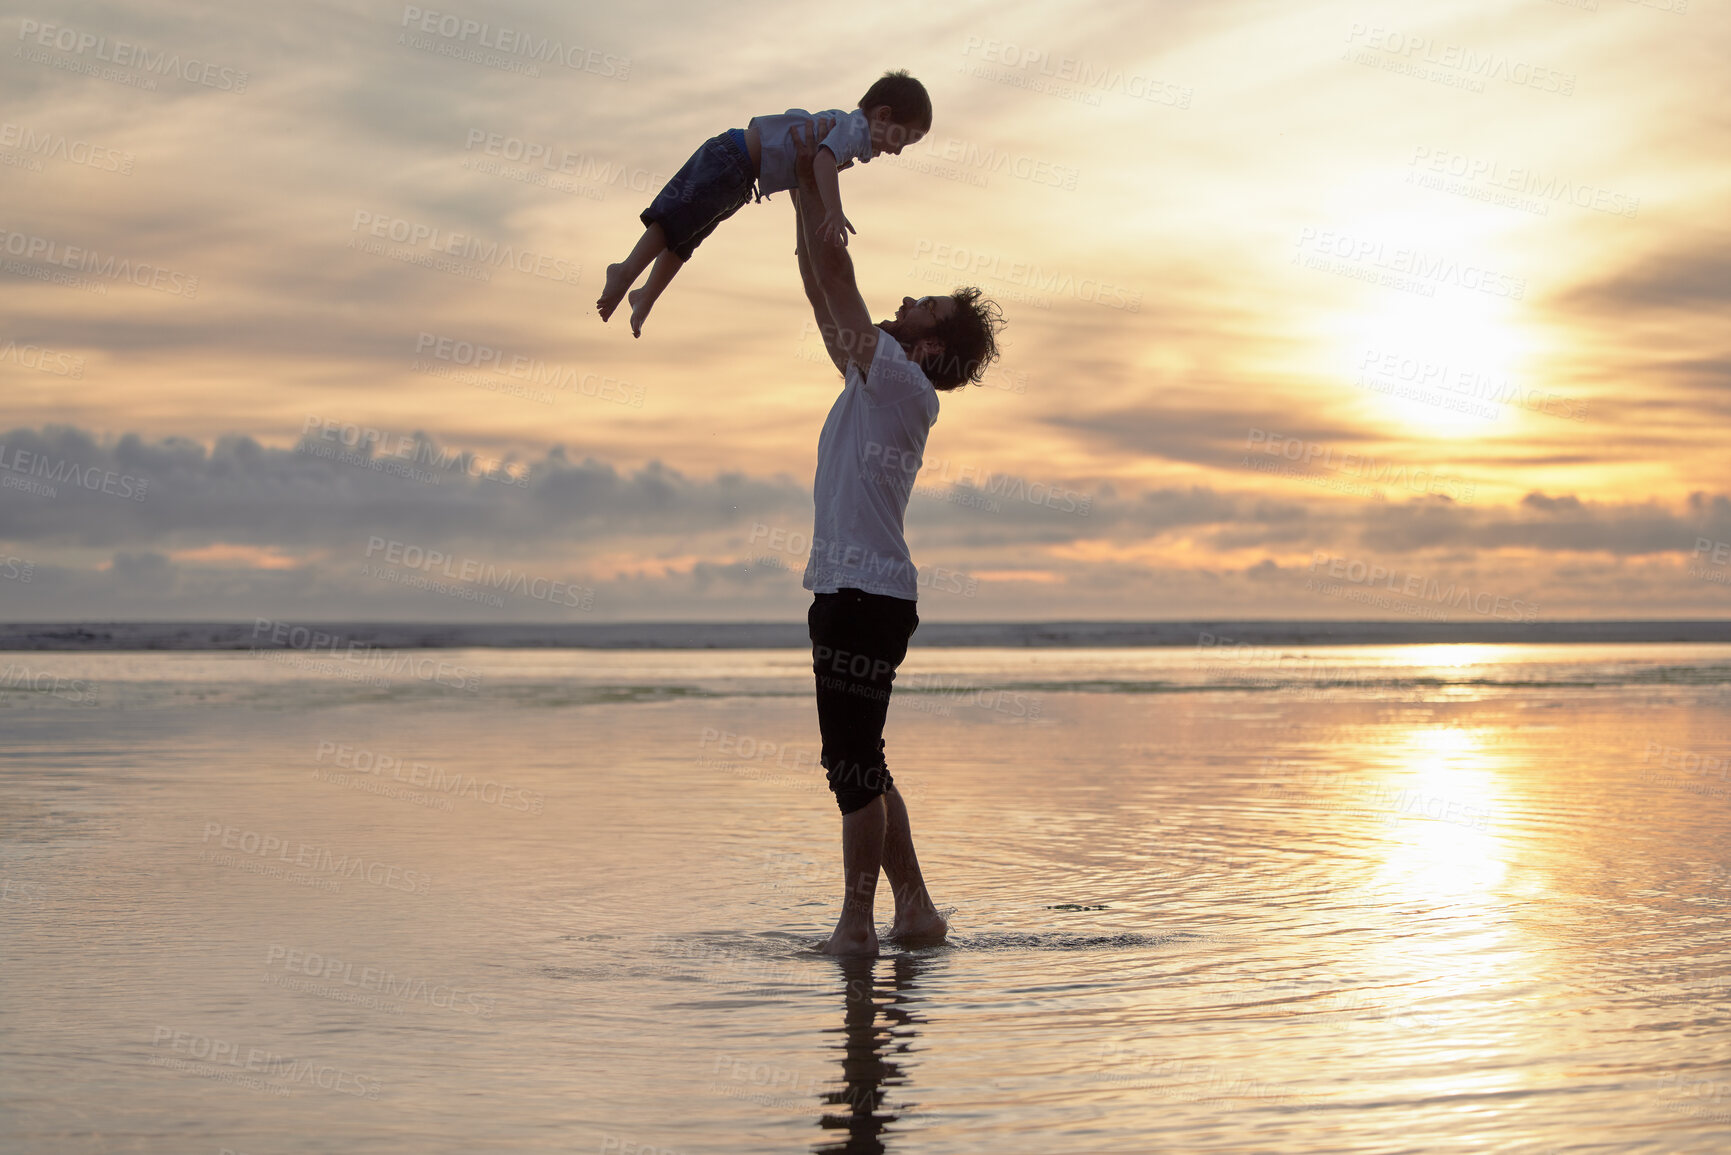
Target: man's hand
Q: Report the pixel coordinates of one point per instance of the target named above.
(832, 277)
(833, 228)
(805, 138)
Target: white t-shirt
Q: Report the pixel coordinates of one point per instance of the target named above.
(867, 458)
(850, 139)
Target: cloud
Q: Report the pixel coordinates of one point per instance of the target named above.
(1684, 276)
(339, 483)
(195, 405)
(171, 527)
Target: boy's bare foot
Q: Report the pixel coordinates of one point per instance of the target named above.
(922, 928)
(612, 291)
(641, 303)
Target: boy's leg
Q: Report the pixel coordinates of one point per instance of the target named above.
(652, 244)
(667, 265)
(708, 189)
(917, 917)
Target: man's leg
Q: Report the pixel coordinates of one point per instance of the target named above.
(917, 918)
(862, 856)
(858, 641)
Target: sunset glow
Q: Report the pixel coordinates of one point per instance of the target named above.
(1440, 292)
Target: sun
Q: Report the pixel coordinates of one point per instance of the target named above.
(1431, 366)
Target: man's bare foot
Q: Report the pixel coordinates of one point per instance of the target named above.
(613, 291)
(919, 928)
(641, 303)
(852, 943)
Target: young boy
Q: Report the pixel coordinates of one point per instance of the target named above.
(717, 180)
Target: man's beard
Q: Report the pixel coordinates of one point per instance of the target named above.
(898, 328)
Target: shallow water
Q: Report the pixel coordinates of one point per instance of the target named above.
(1360, 899)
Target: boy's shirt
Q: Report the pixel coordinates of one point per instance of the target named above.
(868, 456)
(850, 139)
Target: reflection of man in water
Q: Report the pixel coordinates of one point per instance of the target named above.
(876, 1036)
(863, 580)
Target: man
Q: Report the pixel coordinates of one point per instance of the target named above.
(863, 580)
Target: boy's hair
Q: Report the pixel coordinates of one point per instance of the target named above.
(970, 340)
(904, 96)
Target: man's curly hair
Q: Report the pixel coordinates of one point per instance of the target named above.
(970, 338)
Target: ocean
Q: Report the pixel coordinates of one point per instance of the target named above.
(1241, 894)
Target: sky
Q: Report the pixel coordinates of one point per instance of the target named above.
(1329, 310)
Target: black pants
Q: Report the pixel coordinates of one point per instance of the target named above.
(857, 641)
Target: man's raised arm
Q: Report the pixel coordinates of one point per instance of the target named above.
(814, 294)
(854, 338)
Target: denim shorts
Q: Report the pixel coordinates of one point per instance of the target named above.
(857, 641)
(711, 187)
